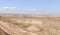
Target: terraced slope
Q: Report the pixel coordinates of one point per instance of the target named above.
(30, 25)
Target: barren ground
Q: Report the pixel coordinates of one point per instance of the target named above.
(13, 25)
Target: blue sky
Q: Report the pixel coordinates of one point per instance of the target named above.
(30, 6)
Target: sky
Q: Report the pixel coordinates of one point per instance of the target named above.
(30, 6)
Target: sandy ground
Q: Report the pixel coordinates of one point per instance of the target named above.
(30, 26)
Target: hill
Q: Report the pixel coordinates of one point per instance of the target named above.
(29, 24)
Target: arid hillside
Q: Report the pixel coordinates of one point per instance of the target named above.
(29, 25)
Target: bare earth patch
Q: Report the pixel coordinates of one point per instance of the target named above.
(15, 25)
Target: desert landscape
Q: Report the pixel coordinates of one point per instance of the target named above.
(29, 25)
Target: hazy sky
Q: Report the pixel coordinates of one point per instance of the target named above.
(30, 6)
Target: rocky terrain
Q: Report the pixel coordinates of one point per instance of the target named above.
(29, 25)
